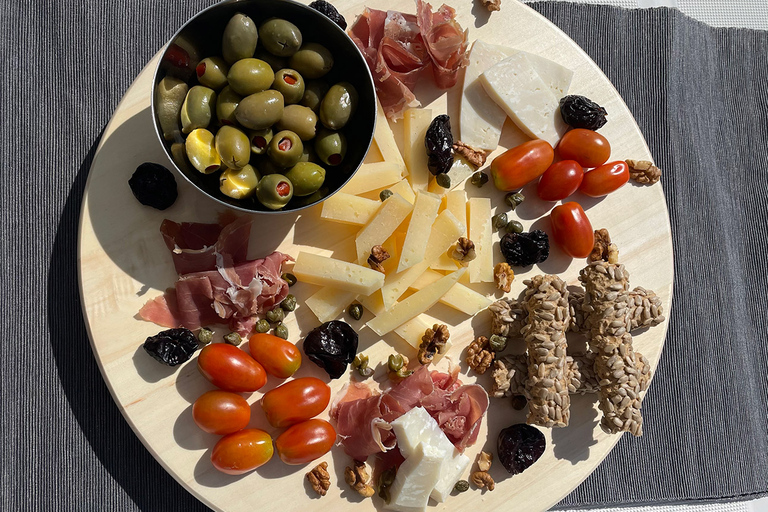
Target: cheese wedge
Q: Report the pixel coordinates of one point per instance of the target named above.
(349, 209)
(392, 212)
(373, 302)
(328, 303)
(415, 124)
(460, 297)
(385, 140)
(403, 188)
(423, 216)
(323, 271)
(372, 177)
(481, 232)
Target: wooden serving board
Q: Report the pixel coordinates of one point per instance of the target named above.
(124, 262)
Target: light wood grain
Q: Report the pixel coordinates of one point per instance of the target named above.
(123, 262)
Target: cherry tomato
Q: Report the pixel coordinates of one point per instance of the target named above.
(242, 451)
(230, 369)
(295, 401)
(605, 179)
(221, 412)
(587, 147)
(521, 164)
(572, 230)
(279, 357)
(306, 441)
(560, 180)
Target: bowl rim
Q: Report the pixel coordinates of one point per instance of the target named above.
(161, 140)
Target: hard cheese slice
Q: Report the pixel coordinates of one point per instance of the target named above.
(415, 124)
(480, 232)
(349, 209)
(373, 176)
(459, 297)
(324, 271)
(414, 305)
(403, 188)
(385, 140)
(392, 212)
(456, 203)
(423, 216)
(328, 303)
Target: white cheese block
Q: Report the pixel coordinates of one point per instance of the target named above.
(349, 209)
(516, 87)
(385, 140)
(481, 232)
(413, 331)
(450, 473)
(403, 188)
(323, 271)
(459, 297)
(414, 305)
(415, 479)
(392, 212)
(457, 174)
(372, 177)
(415, 124)
(557, 77)
(423, 216)
(328, 303)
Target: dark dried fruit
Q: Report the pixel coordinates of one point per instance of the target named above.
(519, 402)
(519, 446)
(332, 346)
(154, 185)
(581, 112)
(171, 347)
(439, 143)
(523, 249)
(330, 11)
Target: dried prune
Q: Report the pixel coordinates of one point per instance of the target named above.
(523, 249)
(154, 185)
(581, 112)
(439, 143)
(519, 446)
(330, 11)
(171, 347)
(332, 346)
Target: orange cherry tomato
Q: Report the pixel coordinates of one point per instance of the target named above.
(560, 180)
(242, 451)
(221, 412)
(230, 369)
(279, 357)
(522, 164)
(295, 401)
(572, 230)
(587, 147)
(305, 442)
(605, 179)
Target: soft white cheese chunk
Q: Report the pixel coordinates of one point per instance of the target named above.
(415, 479)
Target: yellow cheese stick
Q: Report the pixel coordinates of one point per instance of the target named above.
(323, 271)
(328, 303)
(459, 297)
(385, 140)
(415, 124)
(373, 176)
(481, 232)
(392, 212)
(349, 209)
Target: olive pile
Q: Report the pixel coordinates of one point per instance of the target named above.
(260, 113)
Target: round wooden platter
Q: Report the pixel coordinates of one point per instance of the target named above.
(124, 262)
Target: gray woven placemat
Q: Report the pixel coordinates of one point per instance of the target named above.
(700, 97)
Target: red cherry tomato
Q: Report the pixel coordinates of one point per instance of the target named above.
(587, 147)
(572, 230)
(221, 412)
(230, 369)
(279, 357)
(605, 179)
(242, 451)
(521, 164)
(295, 401)
(305, 442)
(560, 180)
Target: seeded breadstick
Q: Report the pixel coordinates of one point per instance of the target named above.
(618, 368)
(546, 307)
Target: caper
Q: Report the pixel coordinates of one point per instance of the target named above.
(288, 303)
(361, 365)
(285, 148)
(233, 338)
(288, 278)
(514, 227)
(201, 151)
(205, 335)
(280, 37)
(290, 84)
(313, 60)
(299, 119)
(355, 310)
(519, 402)
(233, 147)
(239, 183)
(479, 179)
(513, 199)
(385, 194)
(197, 109)
(240, 38)
(260, 110)
(249, 76)
(274, 191)
(275, 315)
(226, 103)
(212, 72)
(260, 140)
(306, 177)
(331, 146)
(443, 180)
(169, 97)
(338, 105)
(281, 331)
(497, 343)
(461, 486)
(314, 90)
(499, 221)
(262, 326)
(386, 479)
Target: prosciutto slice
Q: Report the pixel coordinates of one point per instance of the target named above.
(363, 424)
(194, 246)
(445, 41)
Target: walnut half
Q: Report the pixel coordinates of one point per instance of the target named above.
(320, 479)
(357, 477)
(475, 157)
(482, 479)
(479, 357)
(432, 342)
(603, 249)
(378, 256)
(463, 251)
(643, 171)
(503, 275)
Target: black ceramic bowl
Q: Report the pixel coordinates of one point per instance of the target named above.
(201, 37)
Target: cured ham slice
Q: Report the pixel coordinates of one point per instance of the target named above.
(446, 42)
(195, 246)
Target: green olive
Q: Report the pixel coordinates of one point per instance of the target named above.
(179, 156)
(285, 148)
(196, 111)
(233, 147)
(312, 61)
(275, 62)
(249, 76)
(311, 199)
(239, 183)
(266, 166)
(260, 140)
(169, 97)
(338, 105)
(212, 72)
(309, 154)
(280, 37)
(330, 146)
(290, 83)
(307, 178)
(240, 38)
(300, 120)
(314, 91)
(274, 191)
(260, 110)
(201, 151)
(226, 103)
